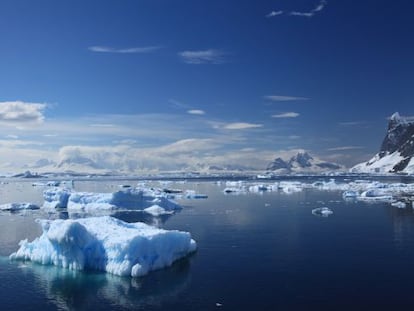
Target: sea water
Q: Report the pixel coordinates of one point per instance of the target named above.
(256, 251)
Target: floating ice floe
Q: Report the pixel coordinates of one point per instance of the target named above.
(375, 195)
(128, 199)
(234, 190)
(399, 204)
(322, 211)
(156, 210)
(105, 244)
(350, 194)
(191, 194)
(18, 206)
(46, 184)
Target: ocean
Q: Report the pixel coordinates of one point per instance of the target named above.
(256, 251)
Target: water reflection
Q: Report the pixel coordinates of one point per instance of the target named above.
(75, 290)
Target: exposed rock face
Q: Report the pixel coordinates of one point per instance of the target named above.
(301, 163)
(397, 149)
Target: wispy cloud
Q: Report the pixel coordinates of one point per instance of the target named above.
(345, 148)
(241, 126)
(286, 115)
(102, 125)
(354, 123)
(196, 112)
(21, 112)
(274, 13)
(210, 56)
(279, 98)
(312, 12)
(106, 49)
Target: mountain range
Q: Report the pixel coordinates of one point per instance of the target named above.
(302, 162)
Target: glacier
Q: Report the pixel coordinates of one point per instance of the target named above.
(105, 244)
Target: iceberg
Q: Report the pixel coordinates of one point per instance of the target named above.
(191, 194)
(322, 211)
(56, 197)
(105, 244)
(128, 199)
(18, 206)
(157, 210)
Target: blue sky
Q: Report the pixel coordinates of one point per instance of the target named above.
(172, 82)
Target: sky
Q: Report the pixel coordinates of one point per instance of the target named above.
(173, 84)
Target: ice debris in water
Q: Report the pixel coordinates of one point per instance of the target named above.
(132, 199)
(18, 206)
(105, 244)
(156, 210)
(322, 211)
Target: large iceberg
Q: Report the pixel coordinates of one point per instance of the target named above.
(128, 199)
(106, 244)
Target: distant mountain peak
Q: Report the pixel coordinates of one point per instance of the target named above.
(302, 162)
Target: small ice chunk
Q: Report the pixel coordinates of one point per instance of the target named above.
(156, 210)
(105, 244)
(348, 194)
(18, 206)
(191, 194)
(234, 190)
(398, 204)
(322, 211)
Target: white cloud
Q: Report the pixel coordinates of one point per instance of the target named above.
(11, 136)
(345, 148)
(21, 112)
(280, 98)
(312, 12)
(241, 126)
(286, 115)
(210, 56)
(274, 13)
(106, 49)
(196, 112)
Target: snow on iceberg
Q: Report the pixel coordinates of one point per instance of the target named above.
(106, 244)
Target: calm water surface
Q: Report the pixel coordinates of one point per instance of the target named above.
(255, 252)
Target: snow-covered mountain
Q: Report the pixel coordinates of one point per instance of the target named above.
(397, 150)
(302, 162)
